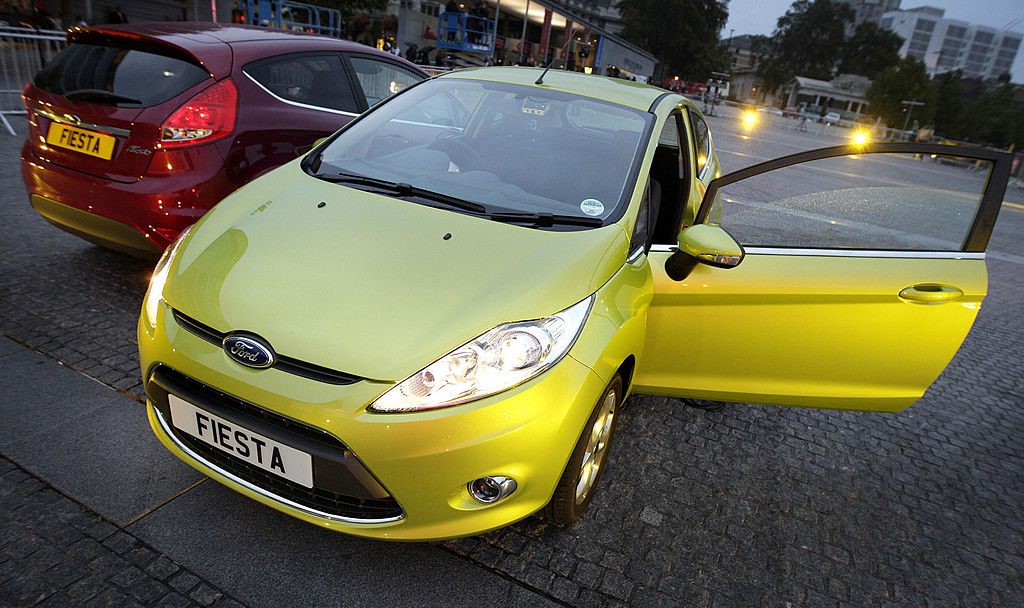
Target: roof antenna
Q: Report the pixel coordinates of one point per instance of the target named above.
(540, 80)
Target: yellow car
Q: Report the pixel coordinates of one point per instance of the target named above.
(426, 327)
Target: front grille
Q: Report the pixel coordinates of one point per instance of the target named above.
(320, 499)
(342, 486)
(282, 362)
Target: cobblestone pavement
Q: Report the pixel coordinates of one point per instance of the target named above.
(55, 552)
(746, 506)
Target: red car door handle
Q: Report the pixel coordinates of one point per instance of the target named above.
(931, 293)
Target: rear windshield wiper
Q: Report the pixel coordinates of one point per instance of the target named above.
(99, 95)
(402, 189)
(546, 220)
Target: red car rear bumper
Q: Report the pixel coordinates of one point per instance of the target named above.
(140, 218)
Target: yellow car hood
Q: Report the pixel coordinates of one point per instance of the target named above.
(369, 285)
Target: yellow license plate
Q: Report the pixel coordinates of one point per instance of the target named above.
(80, 140)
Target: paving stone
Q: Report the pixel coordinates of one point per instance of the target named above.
(617, 585)
(161, 568)
(183, 582)
(141, 556)
(205, 594)
(148, 591)
(564, 589)
(128, 577)
(87, 587)
(172, 600)
(111, 599)
(650, 516)
(38, 569)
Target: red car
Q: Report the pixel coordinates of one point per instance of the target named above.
(137, 130)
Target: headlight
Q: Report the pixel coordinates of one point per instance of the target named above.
(497, 360)
(159, 278)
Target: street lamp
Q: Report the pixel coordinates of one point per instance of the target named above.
(910, 105)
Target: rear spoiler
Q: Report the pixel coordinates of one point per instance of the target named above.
(218, 65)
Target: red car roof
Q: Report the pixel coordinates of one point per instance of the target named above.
(209, 44)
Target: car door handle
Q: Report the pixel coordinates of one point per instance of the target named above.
(931, 293)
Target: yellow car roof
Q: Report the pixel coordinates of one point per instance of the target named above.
(615, 90)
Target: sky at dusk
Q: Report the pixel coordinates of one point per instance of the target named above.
(759, 17)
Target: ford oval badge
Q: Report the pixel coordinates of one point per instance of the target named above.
(249, 351)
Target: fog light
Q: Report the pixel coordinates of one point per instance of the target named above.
(491, 489)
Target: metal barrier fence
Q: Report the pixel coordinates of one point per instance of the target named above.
(23, 51)
(432, 70)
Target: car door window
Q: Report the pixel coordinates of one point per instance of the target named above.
(381, 79)
(701, 142)
(669, 183)
(883, 201)
(642, 228)
(311, 80)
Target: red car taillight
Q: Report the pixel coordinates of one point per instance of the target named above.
(208, 116)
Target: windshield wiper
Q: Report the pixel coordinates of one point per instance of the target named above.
(99, 95)
(546, 220)
(402, 189)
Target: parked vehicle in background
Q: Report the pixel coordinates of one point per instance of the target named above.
(832, 118)
(137, 130)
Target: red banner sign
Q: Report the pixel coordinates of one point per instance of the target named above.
(545, 34)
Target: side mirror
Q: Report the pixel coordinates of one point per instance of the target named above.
(703, 244)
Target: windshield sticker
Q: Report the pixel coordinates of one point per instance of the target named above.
(592, 206)
(535, 107)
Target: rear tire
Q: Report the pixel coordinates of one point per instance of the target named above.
(582, 473)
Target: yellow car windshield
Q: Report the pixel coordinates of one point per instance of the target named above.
(507, 147)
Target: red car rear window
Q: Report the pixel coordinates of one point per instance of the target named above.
(117, 76)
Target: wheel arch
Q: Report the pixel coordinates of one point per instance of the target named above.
(626, 371)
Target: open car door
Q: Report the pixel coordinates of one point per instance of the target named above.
(845, 277)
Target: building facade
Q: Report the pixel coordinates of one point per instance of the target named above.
(537, 32)
(603, 13)
(846, 93)
(745, 84)
(945, 45)
(741, 52)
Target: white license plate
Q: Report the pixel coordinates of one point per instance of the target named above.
(240, 442)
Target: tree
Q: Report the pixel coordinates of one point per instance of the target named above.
(870, 50)
(989, 112)
(952, 113)
(906, 81)
(998, 117)
(808, 41)
(682, 34)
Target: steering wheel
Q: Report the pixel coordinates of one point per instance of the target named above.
(458, 150)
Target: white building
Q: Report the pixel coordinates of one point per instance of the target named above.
(945, 45)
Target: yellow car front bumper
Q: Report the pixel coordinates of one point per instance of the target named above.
(424, 460)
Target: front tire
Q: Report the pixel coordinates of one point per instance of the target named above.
(579, 480)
